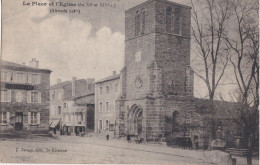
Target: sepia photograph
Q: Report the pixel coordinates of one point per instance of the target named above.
(172, 82)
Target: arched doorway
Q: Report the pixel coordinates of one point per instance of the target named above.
(135, 120)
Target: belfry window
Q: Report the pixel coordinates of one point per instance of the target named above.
(143, 22)
(137, 24)
(177, 21)
(169, 20)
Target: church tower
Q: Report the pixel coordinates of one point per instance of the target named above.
(157, 59)
(157, 42)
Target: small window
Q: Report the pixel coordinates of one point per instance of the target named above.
(143, 22)
(33, 118)
(169, 20)
(3, 118)
(107, 124)
(34, 97)
(177, 21)
(64, 105)
(100, 107)
(137, 24)
(106, 106)
(59, 110)
(107, 89)
(100, 124)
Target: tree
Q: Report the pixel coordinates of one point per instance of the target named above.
(244, 44)
(210, 24)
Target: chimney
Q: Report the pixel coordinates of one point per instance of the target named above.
(58, 81)
(114, 72)
(34, 63)
(74, 86)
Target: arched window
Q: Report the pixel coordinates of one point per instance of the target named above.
(143, 22)
(177, 21)
(137, 23)
(169, 19)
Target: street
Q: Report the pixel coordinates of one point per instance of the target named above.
(85, 150)
(93, 150)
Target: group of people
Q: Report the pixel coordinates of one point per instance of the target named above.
(186, 143)
(137, 139)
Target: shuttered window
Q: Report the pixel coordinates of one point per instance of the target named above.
(33, 118)
(4, 117)
(34, 97)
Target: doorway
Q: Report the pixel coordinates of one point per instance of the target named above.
(18, 120)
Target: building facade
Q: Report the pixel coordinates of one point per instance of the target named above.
(24, 97)
(106, 94)
(88, 101)
(157, 80)
(66, 115)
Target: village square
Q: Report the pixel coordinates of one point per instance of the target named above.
(147, 112)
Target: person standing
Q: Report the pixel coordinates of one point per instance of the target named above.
(107, 136)
(128, 138)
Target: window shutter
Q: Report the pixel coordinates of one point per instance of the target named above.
(21, 96)
(38, 79)
(9, 96)
(29, 117)
(29, 78)
(14, 79)
(8, 117)
(38, 118)
(29, 97)
(25, 78)
(39, 97)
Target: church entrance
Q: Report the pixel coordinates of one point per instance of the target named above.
(135, 120)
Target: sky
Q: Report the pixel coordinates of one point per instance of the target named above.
(85, 45)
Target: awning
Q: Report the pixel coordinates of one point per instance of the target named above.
(54, 123)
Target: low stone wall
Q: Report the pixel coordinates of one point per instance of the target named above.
(217, 157)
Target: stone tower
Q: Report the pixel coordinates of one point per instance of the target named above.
(157, 59)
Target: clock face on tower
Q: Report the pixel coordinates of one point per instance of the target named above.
(138, 82)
